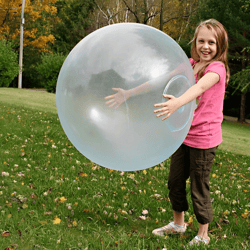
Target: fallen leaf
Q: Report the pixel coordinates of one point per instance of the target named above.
(33, 196)
(224, 221)
(56, 221)
(6, 234)
(62, 199)
(218, 225)
(25, 206)
(86, 210)
(83, 174)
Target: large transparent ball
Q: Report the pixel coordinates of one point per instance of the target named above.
(124, 56)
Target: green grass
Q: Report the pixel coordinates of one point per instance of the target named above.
(236, 138)
(46, 180)
(30, 99)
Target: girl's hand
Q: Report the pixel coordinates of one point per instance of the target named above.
(117, 99)
(169, 107)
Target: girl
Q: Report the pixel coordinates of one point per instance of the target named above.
(195, 156)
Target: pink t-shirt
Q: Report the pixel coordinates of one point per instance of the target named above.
(205, 131)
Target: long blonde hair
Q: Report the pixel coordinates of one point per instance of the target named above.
(222, 46)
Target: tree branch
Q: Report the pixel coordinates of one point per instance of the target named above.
(133, 12)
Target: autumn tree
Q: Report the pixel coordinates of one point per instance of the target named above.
(174, 18)
(37, 14)
(40, 15)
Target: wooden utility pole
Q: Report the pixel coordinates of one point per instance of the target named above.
(21, 47)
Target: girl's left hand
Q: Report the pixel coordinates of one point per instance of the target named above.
(169, 107)
(117, 99)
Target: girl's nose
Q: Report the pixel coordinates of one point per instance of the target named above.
(206, 45)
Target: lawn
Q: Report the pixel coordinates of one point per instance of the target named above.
(51, 197)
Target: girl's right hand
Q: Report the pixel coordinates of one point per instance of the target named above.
(117, 99)
(167, 108)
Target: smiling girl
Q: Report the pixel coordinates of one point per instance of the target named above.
(195, 156)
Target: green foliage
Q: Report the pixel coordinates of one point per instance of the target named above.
(9, 67)
(74, 23)
(49, 70)
(186, 46)
(241, 80)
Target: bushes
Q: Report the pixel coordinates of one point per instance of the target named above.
(9, 67)
(49, 70)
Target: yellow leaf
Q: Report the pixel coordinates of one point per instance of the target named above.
(190, 220)
(9, 215)
(244, 215)
(62, 199)
(56, 221)
(83, 174)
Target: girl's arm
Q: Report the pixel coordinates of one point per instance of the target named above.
(169, 107)
(122, 95)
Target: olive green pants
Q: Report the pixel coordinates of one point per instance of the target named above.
(194, 163)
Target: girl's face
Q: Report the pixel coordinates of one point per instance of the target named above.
(206, 44)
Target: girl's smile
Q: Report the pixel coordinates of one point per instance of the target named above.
(206, 44)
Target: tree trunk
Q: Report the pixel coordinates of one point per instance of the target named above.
(161, 16)
(242, 117)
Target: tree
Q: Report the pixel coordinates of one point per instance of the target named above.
(37, 12)
(39, 17)
(8, 64)
(73, 23)
(170, 16)
(175, 16)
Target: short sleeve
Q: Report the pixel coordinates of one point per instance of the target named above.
(216, 67)
(192, 61)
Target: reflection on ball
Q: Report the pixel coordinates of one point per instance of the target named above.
(128, 56)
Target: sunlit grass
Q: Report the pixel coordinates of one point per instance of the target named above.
(51, 197)
(36, 100)
(236, 137)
